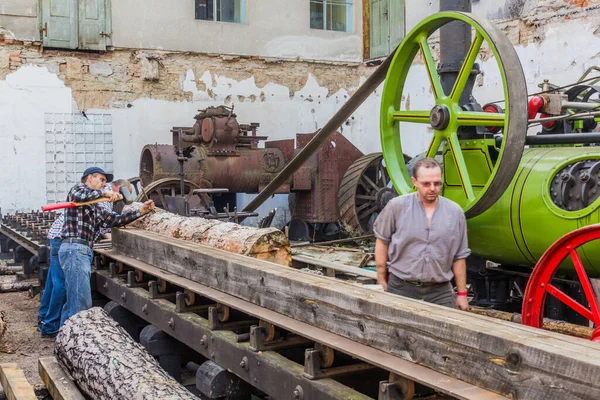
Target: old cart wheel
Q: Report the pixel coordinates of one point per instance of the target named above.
(540, 282)
(447, 116)
(158, 189)
(364, 191)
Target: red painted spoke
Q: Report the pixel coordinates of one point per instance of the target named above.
(587, 287)
(561, 296)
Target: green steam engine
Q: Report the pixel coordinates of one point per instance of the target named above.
(530, 200)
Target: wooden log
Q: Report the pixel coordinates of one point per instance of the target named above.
(23, 286)
(514, 360)
(563, 327)
(14, 383)
(10, 270)
(267, 244)
(106, 363)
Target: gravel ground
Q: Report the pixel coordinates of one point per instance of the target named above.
(22, 343)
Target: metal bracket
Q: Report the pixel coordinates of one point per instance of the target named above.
(182, 307)
(154, 292)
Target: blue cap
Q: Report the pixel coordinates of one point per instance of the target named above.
(97, 170)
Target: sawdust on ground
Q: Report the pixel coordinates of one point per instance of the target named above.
(22, 343)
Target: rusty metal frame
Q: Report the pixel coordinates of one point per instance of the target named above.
(277, 374)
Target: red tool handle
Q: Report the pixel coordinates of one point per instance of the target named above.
(50, 207)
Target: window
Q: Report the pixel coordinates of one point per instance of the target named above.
(386, 26)
(71, 24)
(221, 10)
(331, 15)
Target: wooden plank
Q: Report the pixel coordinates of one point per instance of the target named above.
(14, 383)
(58, 383)
(442, 383)
(335, 266)
(510, 359)
(352, 257)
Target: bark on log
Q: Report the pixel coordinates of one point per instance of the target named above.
(10, 270)
(269, 244)
(17, 286)
(2, 324)
(106, 363)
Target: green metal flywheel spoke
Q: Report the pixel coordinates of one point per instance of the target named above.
(434, 77)
(418, 117)
(447, 117)
(435, 145)
(467, 66)
(461, 166)
(474, 118)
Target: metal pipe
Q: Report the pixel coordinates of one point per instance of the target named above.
(584, 115)
(455, 40)
(361, 94)
(564, 138)
(580, 104)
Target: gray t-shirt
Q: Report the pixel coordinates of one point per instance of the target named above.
(418, 252)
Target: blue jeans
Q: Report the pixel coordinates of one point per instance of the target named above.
(53, 298)
(76, 262)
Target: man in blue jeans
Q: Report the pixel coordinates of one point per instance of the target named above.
(54, 296)
(81, 223)
(54, 291)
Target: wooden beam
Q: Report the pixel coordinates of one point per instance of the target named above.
(15, 384)
(335, 266)
(58, 383)
(513, 360)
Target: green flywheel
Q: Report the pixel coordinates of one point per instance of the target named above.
(464, 160)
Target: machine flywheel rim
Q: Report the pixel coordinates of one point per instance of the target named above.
(513, 121)
(148, 190)
(348, 208)
(540, 281)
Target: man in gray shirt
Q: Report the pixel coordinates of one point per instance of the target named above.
(422, 240)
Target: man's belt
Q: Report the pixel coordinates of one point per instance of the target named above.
(417, 283)
(76, 240)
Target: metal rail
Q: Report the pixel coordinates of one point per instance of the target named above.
(29, 244)
(222, 347)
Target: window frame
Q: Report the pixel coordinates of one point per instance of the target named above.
(349, 4)
(216, 12)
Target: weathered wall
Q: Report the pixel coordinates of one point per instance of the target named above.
(273, 28)
(554, 39)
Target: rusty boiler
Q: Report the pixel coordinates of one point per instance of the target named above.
(219, 153)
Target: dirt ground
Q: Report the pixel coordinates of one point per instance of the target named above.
(22, 343)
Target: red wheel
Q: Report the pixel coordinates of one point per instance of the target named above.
(540, 282)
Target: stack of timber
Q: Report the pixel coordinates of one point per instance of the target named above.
(516, 361)
(267, 244)
(106, 363)
(14, 383)
(17, 286)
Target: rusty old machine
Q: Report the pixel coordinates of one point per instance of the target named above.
(219, 157)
